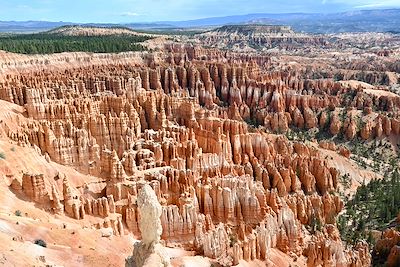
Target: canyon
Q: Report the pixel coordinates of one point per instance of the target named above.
(237, 155)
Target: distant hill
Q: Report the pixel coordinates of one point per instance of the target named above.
(29, 26)
(387, 20)
(377, 20)
(77, 30)
(41, 26)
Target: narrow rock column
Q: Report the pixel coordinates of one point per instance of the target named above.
(149, 252)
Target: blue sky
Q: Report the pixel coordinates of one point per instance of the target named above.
(159, 10)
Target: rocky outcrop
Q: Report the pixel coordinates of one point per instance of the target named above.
(34, 188)
(326, 249)
(386, 249)
(394, 257)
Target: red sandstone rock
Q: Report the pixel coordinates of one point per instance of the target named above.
(335, 125)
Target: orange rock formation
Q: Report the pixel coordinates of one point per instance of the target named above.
(177, 122)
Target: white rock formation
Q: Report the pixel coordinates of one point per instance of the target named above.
(149, 252)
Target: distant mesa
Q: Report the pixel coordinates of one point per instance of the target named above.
(255, 29)
(258, 37)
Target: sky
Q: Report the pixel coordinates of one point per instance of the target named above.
(123, 11)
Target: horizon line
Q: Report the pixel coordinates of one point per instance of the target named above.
(201, 18)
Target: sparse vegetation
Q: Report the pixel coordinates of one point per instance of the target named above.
(232, 240)
(372, 207)
(301, 135)
(253, 124)
(345, 181)
(2, 155)
(315, 225)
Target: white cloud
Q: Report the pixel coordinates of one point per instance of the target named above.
(371, 5)
(129, 14)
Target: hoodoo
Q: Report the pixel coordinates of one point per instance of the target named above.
(149, 252)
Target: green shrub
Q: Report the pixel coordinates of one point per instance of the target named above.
(41, 242)
(315, 225)
(233, 240)
(18, 213)
(2, 155)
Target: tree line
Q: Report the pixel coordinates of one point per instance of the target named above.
(50, 43)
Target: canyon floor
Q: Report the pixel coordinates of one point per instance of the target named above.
(257, 141)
